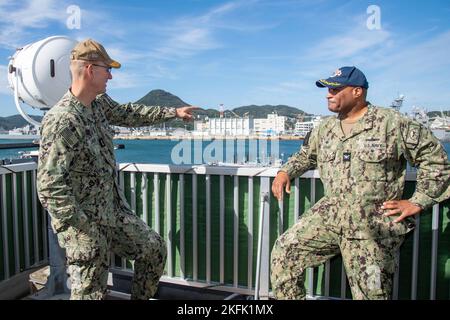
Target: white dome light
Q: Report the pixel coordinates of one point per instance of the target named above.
(39, 73)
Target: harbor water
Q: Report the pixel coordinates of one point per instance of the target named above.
(190, 152)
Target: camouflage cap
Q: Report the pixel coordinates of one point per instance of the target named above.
(90, 50)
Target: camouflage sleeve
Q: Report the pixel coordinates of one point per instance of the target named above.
(132, 114)
(424, 151)
(57, 152)
(305, 159)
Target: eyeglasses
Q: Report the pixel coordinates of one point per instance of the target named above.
(108, 68)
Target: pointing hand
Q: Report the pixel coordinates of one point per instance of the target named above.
(185, 113)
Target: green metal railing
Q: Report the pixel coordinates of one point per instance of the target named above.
(209, 217)
(23, 226)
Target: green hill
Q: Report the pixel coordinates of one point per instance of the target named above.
(16, 121)
(166, 99)
(161, 98)
(262, 111)
(433, 114)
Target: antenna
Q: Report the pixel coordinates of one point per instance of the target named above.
(221, 110)
(398, 102)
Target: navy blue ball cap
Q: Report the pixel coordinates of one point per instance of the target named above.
(345, 76)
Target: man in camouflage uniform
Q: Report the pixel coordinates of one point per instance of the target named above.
(77, 180)
(361, 155)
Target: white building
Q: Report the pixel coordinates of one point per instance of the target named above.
(272, 125)
(122, 130)
(27, 130)
(230, 126)
(302, 128)
(201, 126)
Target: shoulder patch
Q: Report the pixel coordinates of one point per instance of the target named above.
(412, 134)
(69, 136)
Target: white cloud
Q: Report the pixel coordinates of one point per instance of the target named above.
(349, 44)
(125, 56)
(418, 57)
(283, 89)
(140, 78)
(417, 69)
(173, 41)
(180, 38)
(16, 22)
(291, 85)
(188, 36)
(4, 3)
(20, 21)
(187, 43)
(221, 10)
(102, 26)
(411, 65)
(35, 14)
(122, 80)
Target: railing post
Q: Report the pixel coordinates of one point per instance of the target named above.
(57, 279)
(262, 280)
(4, 217)
(434, 250)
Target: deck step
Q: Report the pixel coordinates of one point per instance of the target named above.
(38, 279)
(43, 295)
(17, 286)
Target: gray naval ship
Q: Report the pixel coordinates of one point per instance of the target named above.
(439, 125)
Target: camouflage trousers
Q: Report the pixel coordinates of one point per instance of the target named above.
(369, 263)
(88, 250)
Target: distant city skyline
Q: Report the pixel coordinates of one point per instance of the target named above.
(251, 52)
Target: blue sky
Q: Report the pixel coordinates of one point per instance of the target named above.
(211, 52)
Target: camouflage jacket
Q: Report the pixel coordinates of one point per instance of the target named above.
(76, 178)
(368, 167)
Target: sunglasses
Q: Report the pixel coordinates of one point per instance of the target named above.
(108, 68)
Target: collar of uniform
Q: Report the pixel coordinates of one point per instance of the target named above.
(366, 121)
(369, 117)
(363, 124)
(81, 108)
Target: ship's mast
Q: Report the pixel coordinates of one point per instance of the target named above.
(397, 103)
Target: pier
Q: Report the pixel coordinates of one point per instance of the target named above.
(18, 145)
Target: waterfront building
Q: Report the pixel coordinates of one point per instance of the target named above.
(230, 126)
(272, 125)
(303, 127)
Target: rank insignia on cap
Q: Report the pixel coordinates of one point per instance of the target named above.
(337, 73)
(344, 76)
